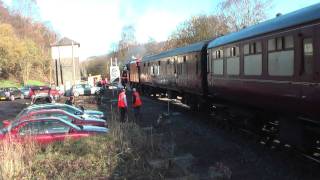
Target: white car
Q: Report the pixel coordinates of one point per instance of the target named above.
(84, 89)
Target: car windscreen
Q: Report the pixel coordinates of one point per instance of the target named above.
(21, 113)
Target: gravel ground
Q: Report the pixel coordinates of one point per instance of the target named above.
(192, 133)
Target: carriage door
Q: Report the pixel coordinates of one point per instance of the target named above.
(307, 68)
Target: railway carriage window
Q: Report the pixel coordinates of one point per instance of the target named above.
(228, 52)
(233, 61)
(219, 54)
(214, 55)
(271, 44)
(307, 55)
(218, 67)
(253, 59)
(281, 57)
(217, 64)
(252, 48)
(279, 43)
(246, 49)
(234, 51)
(237, 51)
(152, 70)
(258, 47)
(158, 70)
(288, 42)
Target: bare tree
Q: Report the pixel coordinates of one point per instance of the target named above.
(26, 8)
(196, 29)
(238, 14)
(126, 44)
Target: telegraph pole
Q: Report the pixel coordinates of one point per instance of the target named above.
(73, 67)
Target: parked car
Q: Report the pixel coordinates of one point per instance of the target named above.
(65, 116)
(2, 95)
(12, 93)
(84, 89)
(41, 95)
(25, 90)
(47, 130)
(71, 109)
(55, 93)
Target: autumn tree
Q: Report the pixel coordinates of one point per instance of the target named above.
(238, 14)
(195, 29)
(31, 58)
(10, 49)
(25, 43)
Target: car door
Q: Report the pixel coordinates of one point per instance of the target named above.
(33, 130)
(61, 131)
(57, 129)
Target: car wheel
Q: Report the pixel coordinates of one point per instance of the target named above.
(12, 98)
(76, 94)
(21, 96)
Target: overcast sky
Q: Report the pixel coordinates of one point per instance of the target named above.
(96, 24)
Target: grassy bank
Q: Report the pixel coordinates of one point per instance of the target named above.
(8, 83)
(11, 83)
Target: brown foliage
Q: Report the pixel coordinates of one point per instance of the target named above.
(197, 28)
(33, 39)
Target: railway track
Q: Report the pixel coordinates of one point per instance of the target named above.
(267, 135)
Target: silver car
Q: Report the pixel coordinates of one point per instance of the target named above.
(84, 89)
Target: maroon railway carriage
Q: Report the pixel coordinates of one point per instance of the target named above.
(178, 72)
(273, 65)
(134, 71)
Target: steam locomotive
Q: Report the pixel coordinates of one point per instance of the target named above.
(272, 67)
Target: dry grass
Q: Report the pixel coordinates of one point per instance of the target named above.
(16, 158)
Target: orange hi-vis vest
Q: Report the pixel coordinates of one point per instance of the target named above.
(138, 101)
(121, 103)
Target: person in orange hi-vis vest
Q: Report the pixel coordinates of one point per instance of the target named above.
(136, 103)
(122, 104)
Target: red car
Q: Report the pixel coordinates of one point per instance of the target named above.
(44, 91)
(58, 113)
(47, 130)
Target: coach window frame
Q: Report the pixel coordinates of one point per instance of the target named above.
(252, 49)
(280, 47)
(219, 51)
(232, 51)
